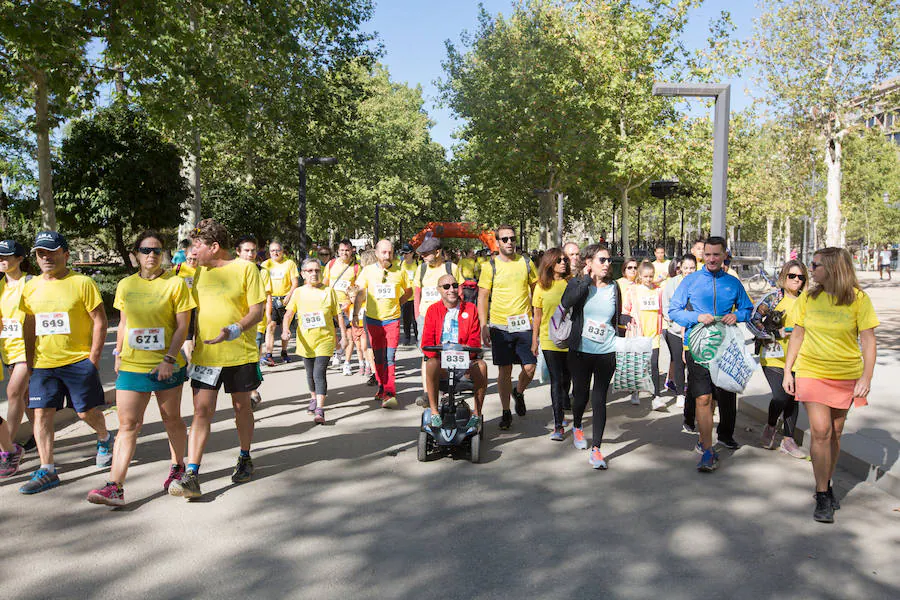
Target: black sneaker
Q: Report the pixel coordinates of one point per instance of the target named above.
(731, 444)
(824, 512)
(834, 501)
(505, 420)
(29, 444)
(186, 487)
(372, 381)
(519, 397)
(243, 470)
(688, 429)
(285, 357)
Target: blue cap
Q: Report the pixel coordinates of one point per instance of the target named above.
(50, 240)
(11, 248)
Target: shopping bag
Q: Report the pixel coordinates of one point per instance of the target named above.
(542, 369)
(633, 364)
(560, 327)
(721, 349)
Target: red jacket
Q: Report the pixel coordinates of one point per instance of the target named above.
(469, 326)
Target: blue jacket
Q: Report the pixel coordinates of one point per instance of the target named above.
(703, 292)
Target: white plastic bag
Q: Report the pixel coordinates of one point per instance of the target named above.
(721, 349)
(542, 369)
(633, 364)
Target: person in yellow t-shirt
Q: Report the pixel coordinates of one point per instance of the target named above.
(318, 309)
(468, 266)
(505, 287)
(230, 301)
(247, 249)
(188, 268)
(660, 265)
(643, 303)
(155, 312)
(553, 276)
(824, 367)
(425, 290)
(629, 276)
(697, 251)
(409, 264)
(384, 287)
(791, 282)
(285, 279)
(339, 274)
(64, 331)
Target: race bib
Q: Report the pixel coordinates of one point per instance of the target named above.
(385, 291)
(454, 359)
(149, 339)
(649, 302)
(596, 332)
(190, 282)
(52, 324)
(12, 328)
(207, 375)
(430, 295)
(341, 285)
(773, 350)
(312, 320)
(276, 276)
(517, 323)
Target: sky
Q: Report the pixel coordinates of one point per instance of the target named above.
(413, 33)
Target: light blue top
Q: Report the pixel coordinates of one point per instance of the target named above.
(600, 307)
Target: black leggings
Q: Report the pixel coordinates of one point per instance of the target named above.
(654, 370)
(407, 311)
(315, 374)
(676, 347)
(557, 364)
(601, 367)
(782, 403)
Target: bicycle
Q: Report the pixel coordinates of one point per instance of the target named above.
(760, 281)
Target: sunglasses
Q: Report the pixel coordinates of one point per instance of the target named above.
(603, 259)
(507, 239)
(447, 286)
(384, 277)
(145, 250)
(561, 260)
(796, 276)
(629, 268)
(813, 265)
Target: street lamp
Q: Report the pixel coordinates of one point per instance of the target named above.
(722, 95)
(301, 193)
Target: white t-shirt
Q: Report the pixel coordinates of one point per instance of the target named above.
(885, 257)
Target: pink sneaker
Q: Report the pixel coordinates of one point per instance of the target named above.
(175, 473)
(9, 461)
(790, 447)
(767, 440)
(596, 459)
(110, 495)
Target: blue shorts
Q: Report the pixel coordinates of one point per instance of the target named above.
(511, 348)
(128, 381)
(78, 382)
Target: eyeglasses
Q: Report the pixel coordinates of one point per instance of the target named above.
(447, 286)
(562, 259)
(603, 259)
(630, 267)
(796, 276)
(813, 265)
(312, 270)
(507, 239)
(146, 250)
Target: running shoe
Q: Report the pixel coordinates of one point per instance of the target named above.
(789, 446)
(389, 401)
(596, 459)
(110, 495)
(285, 357)
(320, 416)
(824, 511)
(186, 487)
(578, 438)
(767, 440)
(709, 462)
(105, 451)
(699, 448)
(635, 399)
(688, 429)
(670, 385)
(834, 500)
(372, 380)
(729, 443)
(243, 470)
(335, 360)
(474, 422)
(175, 473)
(436, 421)
(9, 461)
(311, 409)
(255, 400)
(658, 403)
(679, 401)
(421, 400)
(519, 397)
(558, 435)
(505, 420)
(347, 370)
(268, 361)
(40, 481)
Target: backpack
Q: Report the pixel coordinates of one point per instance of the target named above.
(560, 327)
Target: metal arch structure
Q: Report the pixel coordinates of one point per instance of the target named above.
(443, 229)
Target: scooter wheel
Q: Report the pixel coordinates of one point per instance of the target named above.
(475, 455)
(422, 446)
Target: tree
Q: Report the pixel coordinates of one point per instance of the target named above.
(117, 174)
(822, 62)
(871, 184)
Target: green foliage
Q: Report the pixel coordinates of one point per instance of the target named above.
(118, 174)
(238, 208)
(871, 171)
(107, 277)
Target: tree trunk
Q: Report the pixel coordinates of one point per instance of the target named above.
(833, 162)
(42, 131)
(548, 220)
(4, 208)
(626, 233)
(121, 248)
(770, 227)
(192, 172)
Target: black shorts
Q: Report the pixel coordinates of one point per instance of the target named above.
(278, 309)
(236, 379)
(511, 348)
(700, 382)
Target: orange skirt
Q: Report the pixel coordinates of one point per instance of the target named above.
(835, 393)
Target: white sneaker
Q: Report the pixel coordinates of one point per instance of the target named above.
(335, 360)
(347, 369)
(635, 398)
(679, 401)
(658, 403)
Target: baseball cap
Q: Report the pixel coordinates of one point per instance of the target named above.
(11, 248)
(429, 245)
(406, 248)
(50, 240)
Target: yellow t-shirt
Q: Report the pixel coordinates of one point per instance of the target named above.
(428, 285)
(646, 304)
(186, 272)
(510, 288)
(830, 347)
(547, 301)
(410, 268)
(60, 304)
(12, 348)
(660, 270)
(772, 354)
(224, 296)
(374, 281)
(282, 273)
(267, 286)
(316, 309)
(624, 284)
(468, 268)
(339, 276)
(151, 304)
